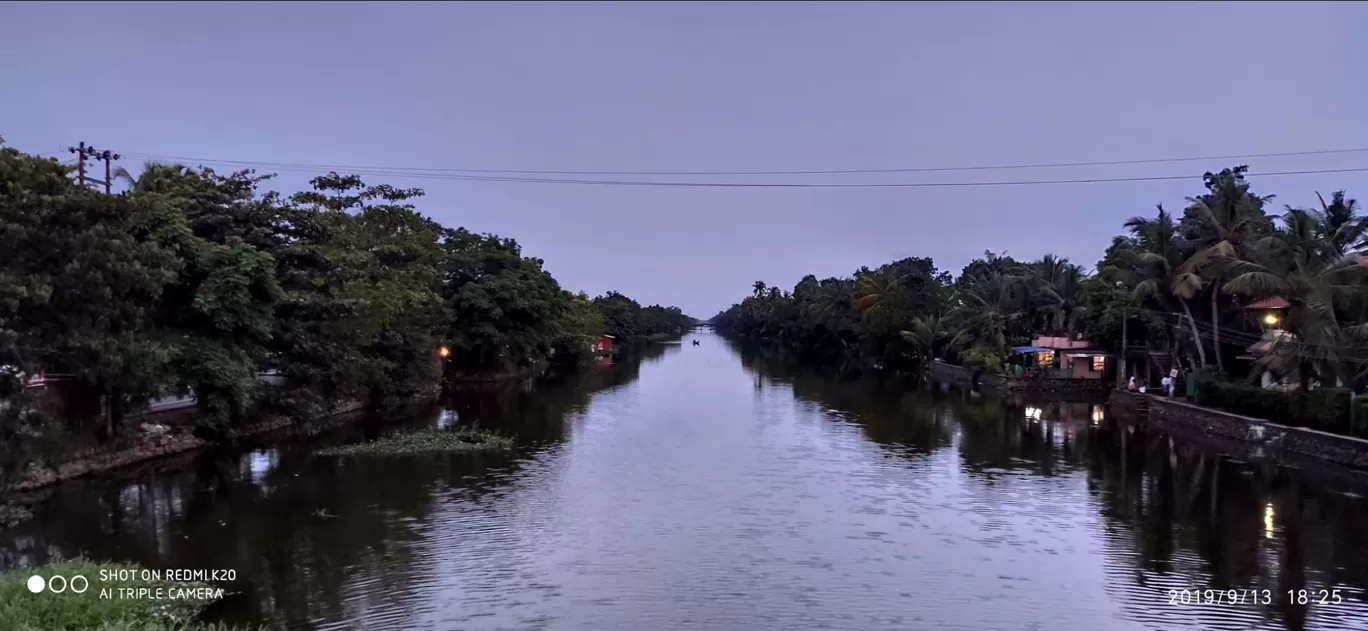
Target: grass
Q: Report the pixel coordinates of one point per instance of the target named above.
(23, 610)
(425, 441)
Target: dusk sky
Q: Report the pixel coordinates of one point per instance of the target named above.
(717, 87)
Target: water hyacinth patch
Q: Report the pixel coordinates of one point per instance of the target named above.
(466, 439)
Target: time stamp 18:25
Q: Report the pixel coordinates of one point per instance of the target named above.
(1252, 596)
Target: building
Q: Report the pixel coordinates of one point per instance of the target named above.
(604, 346)
(1060, 358)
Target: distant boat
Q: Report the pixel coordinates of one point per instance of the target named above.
(695, 342)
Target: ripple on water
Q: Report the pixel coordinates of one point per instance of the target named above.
(701, 497)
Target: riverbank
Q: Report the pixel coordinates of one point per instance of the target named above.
(176, 440)
(1270, 438)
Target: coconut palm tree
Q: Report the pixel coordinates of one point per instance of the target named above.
(1340, 225)
(929, 334)
(1218, 227)
(1056, 293)
(875, 290)
(986, 306)
(1152, 267)
(1301, 265)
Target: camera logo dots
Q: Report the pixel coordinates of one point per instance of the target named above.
(58, 584)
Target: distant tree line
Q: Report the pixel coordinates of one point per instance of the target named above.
(195, 282)
(1181, 283)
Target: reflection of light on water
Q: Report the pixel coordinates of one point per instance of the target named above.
(1097, 413)
(1268, 520)
(447, 419)
(260, 463)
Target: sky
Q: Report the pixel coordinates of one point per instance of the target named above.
(717, 87)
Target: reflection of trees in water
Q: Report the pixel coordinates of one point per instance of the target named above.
(1184, 512)
(538, 415)
(1177, 512)
(307, 535)
(888, 410)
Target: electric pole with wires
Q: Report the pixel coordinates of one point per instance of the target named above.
(83, 153)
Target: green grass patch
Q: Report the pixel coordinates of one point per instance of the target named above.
(426, 441)
(102, 607)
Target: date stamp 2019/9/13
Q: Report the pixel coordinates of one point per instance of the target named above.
(1251, 596)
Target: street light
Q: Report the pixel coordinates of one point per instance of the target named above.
(443, 351)
(1270, 319)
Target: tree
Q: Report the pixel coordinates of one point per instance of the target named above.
(502, 304)
(581, 325)
(219, 313)
(1218, 225)
(1150, 263)
(1300, 263)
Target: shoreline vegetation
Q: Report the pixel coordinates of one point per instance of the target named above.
(1232, 289)
(23, 610)
(193, 283)
(425, 441)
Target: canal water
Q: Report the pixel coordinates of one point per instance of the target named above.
(707, 488)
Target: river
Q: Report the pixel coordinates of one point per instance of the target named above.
(707, 488)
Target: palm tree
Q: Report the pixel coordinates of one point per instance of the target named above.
(1301, 265)
(758, 289)
(1057, 291)
(156, 177)
(1219, 225)
(1339, 223)
(928, 334)
(876, 289)
(986, 305)
(1152, 267)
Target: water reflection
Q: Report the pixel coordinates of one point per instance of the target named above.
(716, 488)
(311, 538)
(1175, 515)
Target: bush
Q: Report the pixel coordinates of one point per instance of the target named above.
(1325, 409)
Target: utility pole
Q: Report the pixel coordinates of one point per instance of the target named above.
(82, 153)
(1125, 364)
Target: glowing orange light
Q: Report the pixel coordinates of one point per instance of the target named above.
(443, 351)
(1270, 319)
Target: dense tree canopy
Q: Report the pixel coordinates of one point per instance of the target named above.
(1177, 284)
(195, 282)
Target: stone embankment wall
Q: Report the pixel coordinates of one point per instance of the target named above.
(1274, 438)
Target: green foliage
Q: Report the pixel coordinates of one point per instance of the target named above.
(904, 313)
(196, 282)
(580, 326)
(504, 306)
(22, 609)
(983, 358)
(626, 320)
(465, 439)
(1326, 409)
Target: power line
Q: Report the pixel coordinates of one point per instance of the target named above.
(1280, 154)
(654, 183)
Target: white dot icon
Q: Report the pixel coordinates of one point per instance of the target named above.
(36, 584)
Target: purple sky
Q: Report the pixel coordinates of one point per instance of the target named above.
(716, 87)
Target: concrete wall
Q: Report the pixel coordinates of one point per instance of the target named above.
(1081, 367)
(1174, 414)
